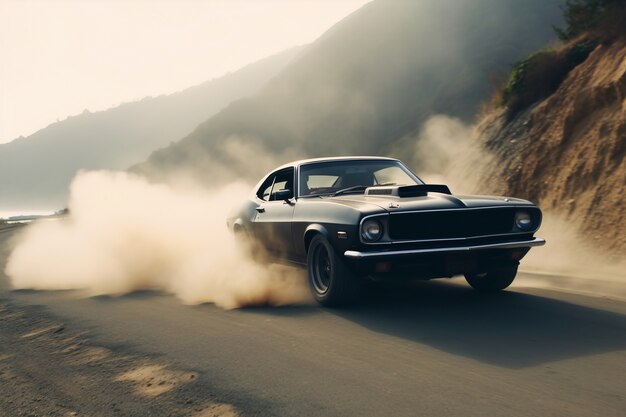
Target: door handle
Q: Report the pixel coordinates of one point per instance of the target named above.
(260, 209)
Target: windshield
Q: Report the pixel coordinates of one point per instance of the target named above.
(323, 178)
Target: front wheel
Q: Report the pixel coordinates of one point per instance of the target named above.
(494, 280)
(331, 282)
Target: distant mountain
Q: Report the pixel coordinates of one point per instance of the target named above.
(35, 171)
(366, 84)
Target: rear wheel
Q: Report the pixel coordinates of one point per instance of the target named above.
(494, 280)
(331, 282)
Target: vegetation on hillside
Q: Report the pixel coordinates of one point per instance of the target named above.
(595, 18)
(587, 23)
(541, 73)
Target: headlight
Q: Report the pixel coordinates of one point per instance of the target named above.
(371, 230)
(523, 220)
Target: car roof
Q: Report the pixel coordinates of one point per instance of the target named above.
(334, 158)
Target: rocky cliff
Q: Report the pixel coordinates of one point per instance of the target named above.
(567, 152)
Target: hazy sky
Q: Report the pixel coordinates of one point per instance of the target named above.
(59, 57)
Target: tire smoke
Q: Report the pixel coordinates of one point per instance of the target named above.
(125, 234)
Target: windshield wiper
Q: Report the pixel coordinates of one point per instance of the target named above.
(353, 188)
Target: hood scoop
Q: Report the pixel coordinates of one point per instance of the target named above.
(407, 190)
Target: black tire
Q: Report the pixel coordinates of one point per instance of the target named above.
(494, 280)
(331, 282)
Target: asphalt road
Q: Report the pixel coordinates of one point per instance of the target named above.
(429, 349)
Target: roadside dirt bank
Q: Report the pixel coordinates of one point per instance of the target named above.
(49, 369)
(567, 152)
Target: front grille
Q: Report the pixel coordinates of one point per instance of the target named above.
(451, 224)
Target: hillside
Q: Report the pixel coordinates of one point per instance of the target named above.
(568, 151)
(368, 82)
(35, 171)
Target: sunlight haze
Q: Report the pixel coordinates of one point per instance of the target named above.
(58, 58)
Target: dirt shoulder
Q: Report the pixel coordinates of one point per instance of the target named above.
(49, 369)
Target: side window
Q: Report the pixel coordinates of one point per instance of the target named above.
(266, 188)
(281, 180)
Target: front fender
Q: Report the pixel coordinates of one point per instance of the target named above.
(311, 230)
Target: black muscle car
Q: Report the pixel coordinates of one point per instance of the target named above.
(350, 218)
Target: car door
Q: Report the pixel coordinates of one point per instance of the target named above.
(272, 223)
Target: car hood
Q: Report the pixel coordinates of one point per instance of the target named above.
(431, 201)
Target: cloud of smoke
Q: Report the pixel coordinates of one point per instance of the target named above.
(125, 234)
(443, 152)
(441, 141)
(571, 255)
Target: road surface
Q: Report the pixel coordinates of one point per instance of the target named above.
(428, 349)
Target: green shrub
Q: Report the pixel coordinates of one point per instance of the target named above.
(540, 74)
(607, 17)
(588, 22)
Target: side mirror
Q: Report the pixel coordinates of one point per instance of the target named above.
(283, 195)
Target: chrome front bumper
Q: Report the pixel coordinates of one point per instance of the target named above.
(352, 254)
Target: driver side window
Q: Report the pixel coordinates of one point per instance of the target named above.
(278, 181)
